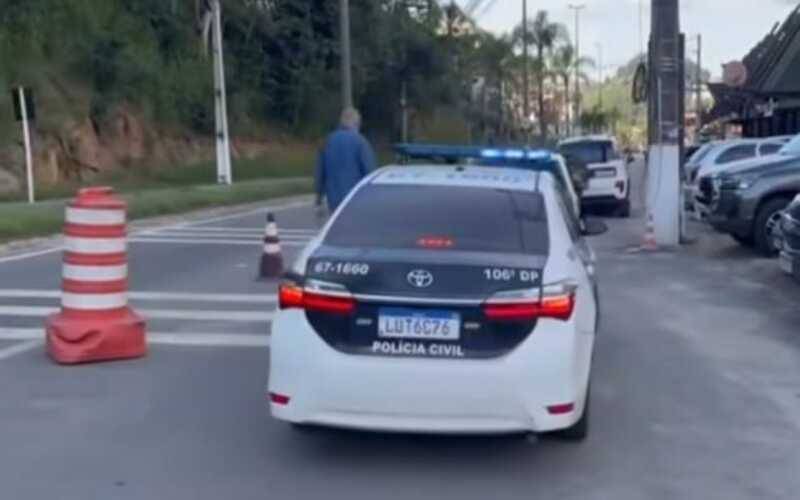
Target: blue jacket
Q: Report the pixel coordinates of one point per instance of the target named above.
(346, 159)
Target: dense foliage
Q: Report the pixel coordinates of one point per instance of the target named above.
(281, 57)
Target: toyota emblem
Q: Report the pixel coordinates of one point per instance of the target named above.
(420, 278)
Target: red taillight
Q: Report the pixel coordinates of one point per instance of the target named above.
(291, 296)
(435, 242)
(557, 304)
(511, 312)
(561, 409)
(328, 303)
(278, 399)
(620, 186)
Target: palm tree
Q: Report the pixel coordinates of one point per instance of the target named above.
(542, 34)
(564, 64)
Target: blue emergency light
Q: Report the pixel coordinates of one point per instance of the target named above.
(535, 159)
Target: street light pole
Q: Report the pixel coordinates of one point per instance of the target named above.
(577, 99)
(347, 76)
(525, 77)
(699, 83)
(600, 75)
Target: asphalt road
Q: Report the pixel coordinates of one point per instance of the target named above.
(696, 387)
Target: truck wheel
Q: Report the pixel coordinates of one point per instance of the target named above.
(766, 224)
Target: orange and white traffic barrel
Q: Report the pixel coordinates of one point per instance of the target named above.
(95, 322)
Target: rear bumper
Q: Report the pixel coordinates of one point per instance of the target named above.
(507, 394)
(730, 225)
(601, 201)
(727, 215)
(613, 191)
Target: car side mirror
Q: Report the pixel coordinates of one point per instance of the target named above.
(594, 227)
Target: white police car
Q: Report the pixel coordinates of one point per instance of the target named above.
(455, 299)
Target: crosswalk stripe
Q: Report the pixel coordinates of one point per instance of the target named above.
(175, 296)
(211, 242)
(36, 336)
(257, 230)
(250, 237)
(16, 349)
(197, 315)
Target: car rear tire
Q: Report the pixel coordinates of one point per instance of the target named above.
(624, 209)
(580, 429)
(766, 219)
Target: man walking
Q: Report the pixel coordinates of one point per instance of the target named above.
(346, 158)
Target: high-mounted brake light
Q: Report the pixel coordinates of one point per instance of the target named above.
(316, 297)
(435, 242)
(555, 301)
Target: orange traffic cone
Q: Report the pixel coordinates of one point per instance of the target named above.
(271, 258)
(649, 242)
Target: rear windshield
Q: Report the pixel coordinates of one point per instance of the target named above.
(590, 151)
(443, 217)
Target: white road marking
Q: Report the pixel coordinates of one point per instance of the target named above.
(178, 297)
(277, 208)
(29, 255)
(26, 346)
(211, 242)
(35, 336)
(184, 314)
(256, 230)
(241, 237)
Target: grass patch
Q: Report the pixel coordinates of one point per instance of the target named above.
(281, 163)
(20, 220)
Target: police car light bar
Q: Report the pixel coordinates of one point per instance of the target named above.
(457, 153)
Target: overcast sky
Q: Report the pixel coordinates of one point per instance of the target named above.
(729, 27)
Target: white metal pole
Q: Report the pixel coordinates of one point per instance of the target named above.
(224, 171)
(26, 134)
(347, 70)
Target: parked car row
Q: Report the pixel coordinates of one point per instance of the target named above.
(715, 157)
(754, 197)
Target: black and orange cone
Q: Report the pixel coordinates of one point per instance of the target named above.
(272, 256)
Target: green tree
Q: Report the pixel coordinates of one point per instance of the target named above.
(543, 35)
(564, 64)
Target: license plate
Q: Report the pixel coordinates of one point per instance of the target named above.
(397, 323)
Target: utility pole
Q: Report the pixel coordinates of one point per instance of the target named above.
(347, 75)
(404, 107)
(666, 122)
(699, 85)
(577, 99)
(224, 173)
(526, 106)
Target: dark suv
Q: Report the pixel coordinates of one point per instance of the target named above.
(748, 198)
